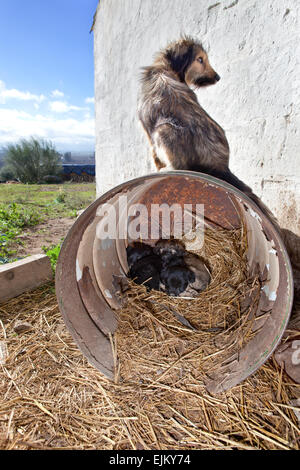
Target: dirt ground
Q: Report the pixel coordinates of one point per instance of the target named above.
(46, 234)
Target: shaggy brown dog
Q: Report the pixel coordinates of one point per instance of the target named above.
(181, 134)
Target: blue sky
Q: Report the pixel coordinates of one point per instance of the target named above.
(47, 72)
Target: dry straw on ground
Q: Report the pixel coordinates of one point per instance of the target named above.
(51, 398)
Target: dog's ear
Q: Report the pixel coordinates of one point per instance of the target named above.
(180, 58)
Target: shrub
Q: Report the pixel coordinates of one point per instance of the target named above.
(52, 179)
(7, 174)
(31, 160)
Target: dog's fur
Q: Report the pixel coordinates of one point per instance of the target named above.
(181, 134)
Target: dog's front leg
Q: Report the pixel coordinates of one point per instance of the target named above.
(159, 165)
(161, 154)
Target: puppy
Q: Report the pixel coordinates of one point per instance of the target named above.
(169, 249)
(183, 274)
(136, 251)
(147, 271)
(144, 265)
(175, 279)
(201, 273)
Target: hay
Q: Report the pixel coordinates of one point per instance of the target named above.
(198, 334)
(51, 398)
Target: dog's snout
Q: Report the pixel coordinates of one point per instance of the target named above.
(217, 77)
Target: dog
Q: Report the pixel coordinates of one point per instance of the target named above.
(175, 276)
(201, 274)
(181, 134)
(183, 274)
(176, 279)
(137, 251)
(144, 265)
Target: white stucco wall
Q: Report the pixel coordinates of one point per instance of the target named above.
(253, 44)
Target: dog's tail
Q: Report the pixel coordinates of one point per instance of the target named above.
(291, 241)
(230, 178)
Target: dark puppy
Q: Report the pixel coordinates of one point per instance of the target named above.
(183, 274)
(175, 276)
(181, 134)
(147, 271)
(168, 250)
(137, 251)
(175, 279)
(144, 265)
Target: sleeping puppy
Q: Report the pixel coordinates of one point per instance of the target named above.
(146, 271)
(175, 279)
(144, 265)
(183, 274)
(201, 273)
(137, 251)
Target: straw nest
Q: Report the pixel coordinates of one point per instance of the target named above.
(51, 398)
(163, 338)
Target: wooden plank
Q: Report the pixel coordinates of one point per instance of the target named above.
(24, 275)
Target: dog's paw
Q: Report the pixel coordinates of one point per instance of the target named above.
(167, 168)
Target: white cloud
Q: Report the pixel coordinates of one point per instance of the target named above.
(65, 130)
(13, 93)
(57, 94)
(90, 100)
(69, 132)
(64, 107)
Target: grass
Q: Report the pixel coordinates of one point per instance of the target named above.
(51, 201)
(25, 205)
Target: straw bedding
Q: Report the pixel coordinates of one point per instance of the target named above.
(159, 334)
(51, 398)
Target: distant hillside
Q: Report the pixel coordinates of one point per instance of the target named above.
(80, 158)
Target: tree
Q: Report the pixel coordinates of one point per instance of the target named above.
(31, 160)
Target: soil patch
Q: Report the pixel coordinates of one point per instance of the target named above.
(45, 234)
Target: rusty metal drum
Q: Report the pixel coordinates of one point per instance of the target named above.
(89, 264)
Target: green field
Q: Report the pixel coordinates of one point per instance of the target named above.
(23, 206)
(50, 201)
